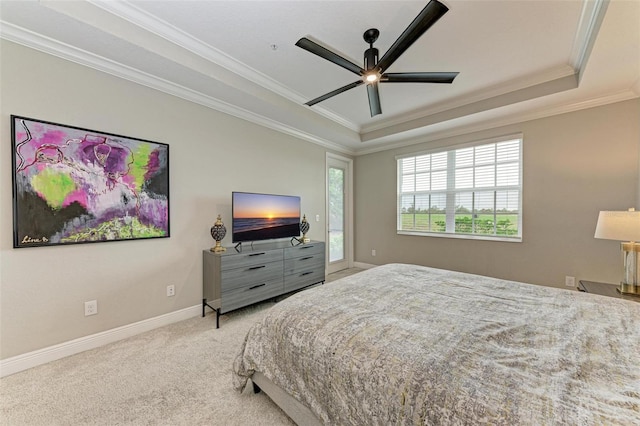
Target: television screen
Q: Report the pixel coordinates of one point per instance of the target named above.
(264, 216)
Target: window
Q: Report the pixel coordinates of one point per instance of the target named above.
(469, 192)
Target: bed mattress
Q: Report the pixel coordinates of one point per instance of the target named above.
(407, 344)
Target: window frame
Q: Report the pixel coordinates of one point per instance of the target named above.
(450, 192)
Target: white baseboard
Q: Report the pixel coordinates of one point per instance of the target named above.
(42, 356)
(363, 265)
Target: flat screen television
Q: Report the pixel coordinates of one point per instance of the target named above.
(258, 217)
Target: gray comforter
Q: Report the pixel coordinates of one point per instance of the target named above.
(406, 344)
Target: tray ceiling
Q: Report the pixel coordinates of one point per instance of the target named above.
(517, 59)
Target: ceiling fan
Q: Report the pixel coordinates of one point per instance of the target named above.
(374, 70)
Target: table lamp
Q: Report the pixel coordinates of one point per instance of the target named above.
(623, 226)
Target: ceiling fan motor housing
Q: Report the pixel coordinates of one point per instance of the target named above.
(370, 58)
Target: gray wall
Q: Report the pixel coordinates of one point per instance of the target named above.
(574, 165)
(211, 154)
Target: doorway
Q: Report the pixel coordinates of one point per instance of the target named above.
(339, 213)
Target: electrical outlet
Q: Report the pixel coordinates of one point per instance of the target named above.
(373, 252)
(171, 290)
(317, 218)
(90, 308)
(570, 281)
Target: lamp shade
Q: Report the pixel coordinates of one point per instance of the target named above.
(618, 225)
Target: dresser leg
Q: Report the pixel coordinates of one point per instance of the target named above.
(205, 304)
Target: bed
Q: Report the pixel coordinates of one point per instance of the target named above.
(407, 344)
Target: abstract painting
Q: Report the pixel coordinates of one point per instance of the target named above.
(74, 185)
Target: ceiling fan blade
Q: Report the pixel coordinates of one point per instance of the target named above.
(433, 11)
(374, 98)
(335, 92)
(419, 77)
(330, 56)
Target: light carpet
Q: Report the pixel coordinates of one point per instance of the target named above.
(179, 374)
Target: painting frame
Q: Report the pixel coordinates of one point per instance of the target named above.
(73, 185)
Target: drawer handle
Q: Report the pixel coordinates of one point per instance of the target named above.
(307, 258)
(257, 267)
(306, 273)
(256, 286)
(305, 247)
(257, 254)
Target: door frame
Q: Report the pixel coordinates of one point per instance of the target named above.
(348, 220)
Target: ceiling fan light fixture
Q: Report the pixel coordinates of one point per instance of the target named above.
(372, 77)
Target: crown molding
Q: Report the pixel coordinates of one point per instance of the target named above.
(161, 28)
(509, 98)
(621, 96)
(47, 45)
(593, 12)
(416, 123)
(477, 97)
(61, 50)
(591, 17)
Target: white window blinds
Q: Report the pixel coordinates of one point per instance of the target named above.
(475, 191)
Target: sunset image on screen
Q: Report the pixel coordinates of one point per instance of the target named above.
(246, 206)
(264, 216)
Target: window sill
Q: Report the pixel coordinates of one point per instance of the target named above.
(461, 236)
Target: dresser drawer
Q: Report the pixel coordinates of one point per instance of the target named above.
(303, 250)
(251, 258)
(247, 276)
(248, 295)
(304, 263)
(303, 279)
